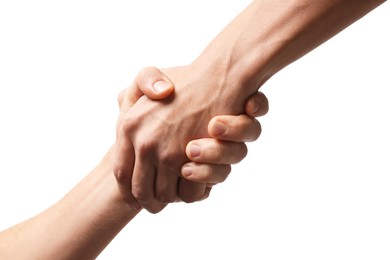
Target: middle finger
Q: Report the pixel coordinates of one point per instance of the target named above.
(209, 150)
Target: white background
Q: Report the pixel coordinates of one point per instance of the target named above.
(316, 184)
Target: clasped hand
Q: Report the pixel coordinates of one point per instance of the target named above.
(172, 143)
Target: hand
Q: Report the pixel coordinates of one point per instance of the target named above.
(153, 83)
(160, 134)
(207, 169)
(211, 157)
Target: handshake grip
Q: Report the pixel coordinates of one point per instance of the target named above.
(169, 146)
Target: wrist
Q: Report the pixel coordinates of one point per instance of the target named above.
(79, 226)
(111, 186)
(234, 77)
(95, 211)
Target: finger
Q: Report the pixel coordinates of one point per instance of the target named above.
(151, 82)
(143, 186)
(121, 97)
(209, 150)
(207, 192)
(241, 128)
(166, 184)
(205, 173)
(123, 169)
(190, 191)
(128, 97)
(257, 105)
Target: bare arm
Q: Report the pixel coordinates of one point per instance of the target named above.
(269, 35)
(79, 226)
(263, 39)
(84, 222)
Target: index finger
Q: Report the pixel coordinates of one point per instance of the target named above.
(241, 128)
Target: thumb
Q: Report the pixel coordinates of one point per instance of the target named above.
(151, 82)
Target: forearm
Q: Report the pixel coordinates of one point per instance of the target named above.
(79, 226)
(270, 34)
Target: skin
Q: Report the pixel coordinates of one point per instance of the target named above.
(263, 39)
(223, 148)
(85, 220)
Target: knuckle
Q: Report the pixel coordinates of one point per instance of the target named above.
(217, 174)
(209, 173)
(240, 129)
(146, 73)
(251, 130)
(119, 174)
(130, 122)
(190, 198)
(227, 171)
(207, 193)
(166, 186)
(146, 147)
(139, 193)
(156, 209)
(241, 152)
(191, 192)
(171, 161)
(167, 158)
(165, 197)
(219, 151)
(204, 173)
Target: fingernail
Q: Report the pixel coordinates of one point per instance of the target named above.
(186, 171)
(256, 107)
(161, 86)
(195, 150)
(219, 128)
